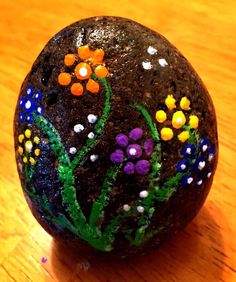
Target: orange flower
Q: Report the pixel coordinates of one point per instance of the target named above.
(86, 63)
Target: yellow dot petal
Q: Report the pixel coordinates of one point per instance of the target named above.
(27, 133)
(21, 137)
(183, 136)
(20, 150)
(32, 161)
(160, 116)
(185, 103)
(25, 160)
(28, 146)
(166, 133)
(170, 102)
(193, 121)
(37, 152)
(178, 119)
(36, 140)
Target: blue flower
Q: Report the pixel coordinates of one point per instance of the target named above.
(182, 165)
(29, 104)
(188, 150)
(204, 145)
(200, 163)
(186, 180)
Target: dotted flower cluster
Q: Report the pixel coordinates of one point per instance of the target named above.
(178, 120)
(29, 104)
(29, 147)
(196, 159)
(84, 64)
(133, 154)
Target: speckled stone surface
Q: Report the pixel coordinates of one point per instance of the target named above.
(138, 73)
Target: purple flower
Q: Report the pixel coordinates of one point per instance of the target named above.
(148, 146)
(117, 157)
(122, 140)
(136, 133)
(129, 168)
(142, 167)
(134, 151)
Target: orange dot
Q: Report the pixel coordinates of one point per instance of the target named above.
(83, 71)
(92, 86)
(77, 89)
(64, 78)
(84, 52)
(101, 71)
(98, 56)
(69, 59)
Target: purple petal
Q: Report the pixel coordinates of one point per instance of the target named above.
(122, 140)
(136, 133)
(129, 168)
(117, 157)
(142, 167)
(148, 146)
(134, 151)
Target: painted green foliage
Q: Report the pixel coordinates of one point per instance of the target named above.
(89, 229)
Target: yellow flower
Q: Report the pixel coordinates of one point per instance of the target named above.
(160, 116)
(183, 136)
(193, 121)
(21, 137)
(166, 133)
(27, 133)
(185, 103)
(178, 119)
(170, 102)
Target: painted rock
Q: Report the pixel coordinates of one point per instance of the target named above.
(115, 137)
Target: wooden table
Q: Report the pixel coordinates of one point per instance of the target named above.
(205, 32)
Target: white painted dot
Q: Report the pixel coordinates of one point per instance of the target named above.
(126, 207)
(72, 150)
(179, 120)
(132, 151)
(140, 209)
(199, 182)
(151, 50)
(92, 118)
(143, 194)
(147, 65)
(28, 104)
(83, 72)
(183, 166)
(78, 128)
(189, 180)
(29, 90)
(204, 148)
(28, 146)
(91, 135)
(39, 110)
(162, 62)
(188, 151)
(210, 158)
(201, 165)
(209, 174)
(93, 158)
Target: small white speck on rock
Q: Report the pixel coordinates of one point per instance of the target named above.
(78, 128)
(147, 65)
(91, 135)
(126, 207)
(140, 209)
(72, 150)
(143, 194)
(92, 118)
(93, 158)
(151, 50)
(163, 62)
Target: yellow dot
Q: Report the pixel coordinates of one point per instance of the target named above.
(160, 116)
(28, 146)
(37, 152)
(185, 103)
(36, 140)
(170, 102)
(21, 137)
(27, 133)
(193, 121)
(183, 136)
(166, 133)
(20, 150)
(32, 161)
(178, 119)
(25, 160)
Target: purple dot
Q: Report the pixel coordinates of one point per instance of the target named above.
(129, 168)
(136, 133)
(148, 146)
(44, 259)
(122, 140)
(142, 167)
(117, 157)
(134, 151)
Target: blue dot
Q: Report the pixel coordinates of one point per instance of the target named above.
(182, 165)
(38, 96)
(22, 116)
(30, 91)
(29, 106)
(39, 110)
(30, 118)
(22, 101)
(186, 180)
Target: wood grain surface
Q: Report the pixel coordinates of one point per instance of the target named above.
(205, 32)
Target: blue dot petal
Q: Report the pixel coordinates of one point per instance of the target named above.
(37, 96)
(188, 150)
(21, 102)
(29, 106)
(22, 116)
(186, 180)
(29, 118)
(39, 110)
(30, 91)
(182, 165)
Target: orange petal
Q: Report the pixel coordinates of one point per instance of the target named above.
(84, 52)
(98, 56)
(77, 89)
(83, 71)
(69, 59)
(64, 78)
(92, 86)
(101, 71)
